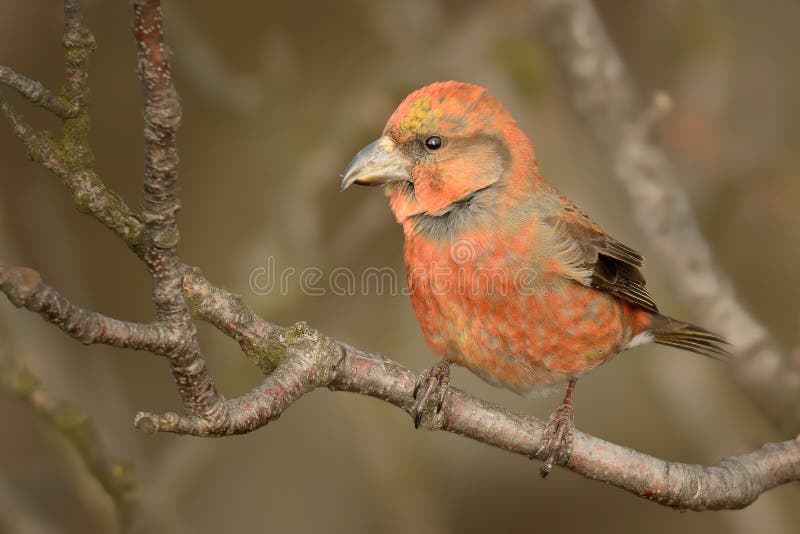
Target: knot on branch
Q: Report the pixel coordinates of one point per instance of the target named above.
(166, 237)
(150, 423)
(163, 111)
(80, 43)
(19, 283)
(215, 423)
(304, 345)
(740, 478)
(36, 92)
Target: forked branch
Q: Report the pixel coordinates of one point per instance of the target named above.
(297, 359)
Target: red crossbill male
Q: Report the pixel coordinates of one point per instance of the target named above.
(507, 277)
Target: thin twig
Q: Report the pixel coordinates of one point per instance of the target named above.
(25, 289)
(68, 154)
(117, 478)
(36, 93)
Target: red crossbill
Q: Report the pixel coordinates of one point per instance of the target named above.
(507, 276)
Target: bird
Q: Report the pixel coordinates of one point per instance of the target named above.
(507, 277)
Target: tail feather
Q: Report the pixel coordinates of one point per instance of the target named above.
(686, 336)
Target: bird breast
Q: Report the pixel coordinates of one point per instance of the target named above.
(487, 303)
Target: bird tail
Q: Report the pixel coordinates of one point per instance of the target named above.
(686, 336)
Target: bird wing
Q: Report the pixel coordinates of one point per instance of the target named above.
(612, 266)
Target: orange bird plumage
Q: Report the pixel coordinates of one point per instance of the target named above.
(507, 276)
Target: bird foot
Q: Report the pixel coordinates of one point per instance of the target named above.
(557, 438)
(432, 385)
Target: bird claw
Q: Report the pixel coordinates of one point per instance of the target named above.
(432, 384)
(557, 438)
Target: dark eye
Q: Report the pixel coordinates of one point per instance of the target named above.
(433, 142)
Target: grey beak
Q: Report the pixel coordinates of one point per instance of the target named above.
(378, 163)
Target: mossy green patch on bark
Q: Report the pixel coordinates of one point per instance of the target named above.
(72, 149)
(299, 338)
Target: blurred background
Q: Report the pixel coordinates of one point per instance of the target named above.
(277, 97)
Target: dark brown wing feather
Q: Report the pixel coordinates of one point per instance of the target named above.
(614, 266)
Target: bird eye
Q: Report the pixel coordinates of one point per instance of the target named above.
(433, 142)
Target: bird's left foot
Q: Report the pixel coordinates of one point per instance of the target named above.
(557, 438)
(432, 385)
(557, 435)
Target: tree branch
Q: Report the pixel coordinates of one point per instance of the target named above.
(733, 483)
(117, 478)
(68, 155)
(25, 289)
(605, 97)
(79, 44)
(162, 116)
(36, 93)
(298, 359)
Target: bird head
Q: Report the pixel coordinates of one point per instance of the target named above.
(444, 146)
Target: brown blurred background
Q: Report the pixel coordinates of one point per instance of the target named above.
(277, 97)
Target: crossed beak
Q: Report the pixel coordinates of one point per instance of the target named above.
(378, 163)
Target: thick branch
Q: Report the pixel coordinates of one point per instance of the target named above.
(605, 97)
(304, 359)
(162, 116)
(733, 483)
